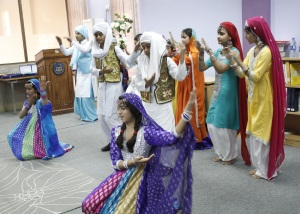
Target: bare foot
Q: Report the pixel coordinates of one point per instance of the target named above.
(217, 159)
(229, 162)
(256, 176)
(252, 172)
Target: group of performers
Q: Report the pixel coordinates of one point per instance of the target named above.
(151, 141)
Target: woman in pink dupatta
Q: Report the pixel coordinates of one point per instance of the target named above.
(266, 98)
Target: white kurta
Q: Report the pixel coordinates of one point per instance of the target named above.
(162, 114)
(108, 93)
(83, 80)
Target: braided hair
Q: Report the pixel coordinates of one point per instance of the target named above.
(138, 120)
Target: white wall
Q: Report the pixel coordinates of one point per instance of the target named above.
(285, 19)
(97, 9)
(204, 16)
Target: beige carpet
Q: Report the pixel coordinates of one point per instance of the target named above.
(41, 187)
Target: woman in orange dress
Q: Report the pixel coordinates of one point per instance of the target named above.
(194, 79)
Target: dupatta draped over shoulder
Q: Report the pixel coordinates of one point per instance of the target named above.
(259, 27)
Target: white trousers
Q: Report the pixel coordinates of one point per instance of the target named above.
(259, 154)
(224, 141)
(107, 123)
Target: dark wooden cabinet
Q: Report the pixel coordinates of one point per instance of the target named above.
(55, 66)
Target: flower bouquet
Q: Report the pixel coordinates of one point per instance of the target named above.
(122, 25)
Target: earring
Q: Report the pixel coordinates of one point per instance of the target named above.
(259, 42)
(229, 42)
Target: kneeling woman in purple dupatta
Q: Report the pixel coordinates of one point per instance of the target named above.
(152, 166)
(35, 135)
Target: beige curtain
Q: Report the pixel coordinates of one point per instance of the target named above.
(129, 7)
(77, 11)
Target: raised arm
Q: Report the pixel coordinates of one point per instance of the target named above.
(220, 67)
(65, 51)
(186, 114)
(201, 65)
(84, 48)
(43, 87)
(178, 72)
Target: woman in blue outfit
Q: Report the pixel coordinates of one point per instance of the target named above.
(223, 114)
(35, 135)
(84, 103)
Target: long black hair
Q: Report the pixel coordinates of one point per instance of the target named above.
(138, 120)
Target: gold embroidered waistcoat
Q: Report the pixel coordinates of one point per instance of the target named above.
(165, 86)
(110, 61)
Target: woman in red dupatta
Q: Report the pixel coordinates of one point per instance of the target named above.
(264, 71)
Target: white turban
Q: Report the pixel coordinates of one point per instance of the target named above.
(104, 28)
(148, 66)
(146, 37)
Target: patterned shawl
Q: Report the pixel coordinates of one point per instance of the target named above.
(166, 185)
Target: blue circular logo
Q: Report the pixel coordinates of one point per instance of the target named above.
(58, 68)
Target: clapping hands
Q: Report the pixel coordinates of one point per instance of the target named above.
(203, 47)
(68, 38)
(230, 54)
(60, 41)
